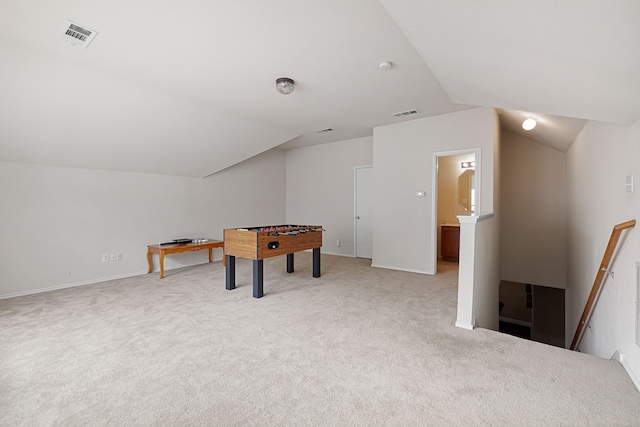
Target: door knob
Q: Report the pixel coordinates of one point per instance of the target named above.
(357, 217)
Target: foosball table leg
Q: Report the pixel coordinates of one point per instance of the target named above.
(316, 262)
(258, 269)
(231, 272)
(289, 263)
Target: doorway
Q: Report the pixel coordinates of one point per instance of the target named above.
(532, 312)
(456, 191)
(363, 209)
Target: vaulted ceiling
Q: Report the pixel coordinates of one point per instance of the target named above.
(188, 88)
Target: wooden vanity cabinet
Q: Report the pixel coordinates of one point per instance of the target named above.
(450, 242)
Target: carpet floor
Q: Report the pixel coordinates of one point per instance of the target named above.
(359, 346)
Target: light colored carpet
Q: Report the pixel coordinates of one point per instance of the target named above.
(357, 347)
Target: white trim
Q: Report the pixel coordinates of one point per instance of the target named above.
(335, 254)
(632, 375)
(434, 195)
(408, 270)
(464, 326)
(618, 356)
(473, 219)
(93, 281)
(70, 285)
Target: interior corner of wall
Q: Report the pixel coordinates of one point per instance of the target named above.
(617, 356)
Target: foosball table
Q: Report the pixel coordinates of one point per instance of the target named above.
(258, 243)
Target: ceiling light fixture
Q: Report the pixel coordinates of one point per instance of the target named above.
(385, 65)
(530, 123)
(468, 165)
(284, 85)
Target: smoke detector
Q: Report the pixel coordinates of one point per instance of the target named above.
(76, 34)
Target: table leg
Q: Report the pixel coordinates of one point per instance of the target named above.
(231, 272)
(316, 262)
(162, 264)
(289, 263)
(149, 261)
(224, 259)
(258, 269)
(210, 259)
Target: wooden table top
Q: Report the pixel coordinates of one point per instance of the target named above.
(209, 242)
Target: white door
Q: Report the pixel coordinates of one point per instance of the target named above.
(364, 212)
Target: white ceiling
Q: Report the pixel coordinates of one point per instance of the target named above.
(187, 88)
(556, 132)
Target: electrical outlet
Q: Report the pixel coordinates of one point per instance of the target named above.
(112, 257)
(119, 256)
(105, 257)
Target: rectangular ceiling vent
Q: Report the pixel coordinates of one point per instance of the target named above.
(406, 113)
(76, 34)
(324, 130)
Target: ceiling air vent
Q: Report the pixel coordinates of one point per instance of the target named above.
(406, 113)
(324, 130)
(76, 34)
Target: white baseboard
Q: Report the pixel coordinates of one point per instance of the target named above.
(69, 285)
(92, 281)
(389, 267)
(464, 326)
(630, 372)
(619, 357)
(331, 253)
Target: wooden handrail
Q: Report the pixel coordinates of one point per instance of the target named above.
(597, 284)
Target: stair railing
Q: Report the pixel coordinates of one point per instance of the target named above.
(597, 284)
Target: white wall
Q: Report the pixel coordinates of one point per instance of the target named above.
(533, 214)
(320, 189)
(403, 157)
(57, 222)
(597, 164)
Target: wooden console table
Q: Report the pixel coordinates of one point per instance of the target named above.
(166, 249)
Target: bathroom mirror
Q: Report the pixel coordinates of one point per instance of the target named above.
(466, 186)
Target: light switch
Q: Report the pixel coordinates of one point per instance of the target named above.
(629, 184)
(421, 194)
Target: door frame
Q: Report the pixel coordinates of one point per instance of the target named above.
(434, 192)
(355, 209)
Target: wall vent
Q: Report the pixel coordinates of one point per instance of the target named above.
(76, 35)
(638, 304)
(324, 130)
(406, 113)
